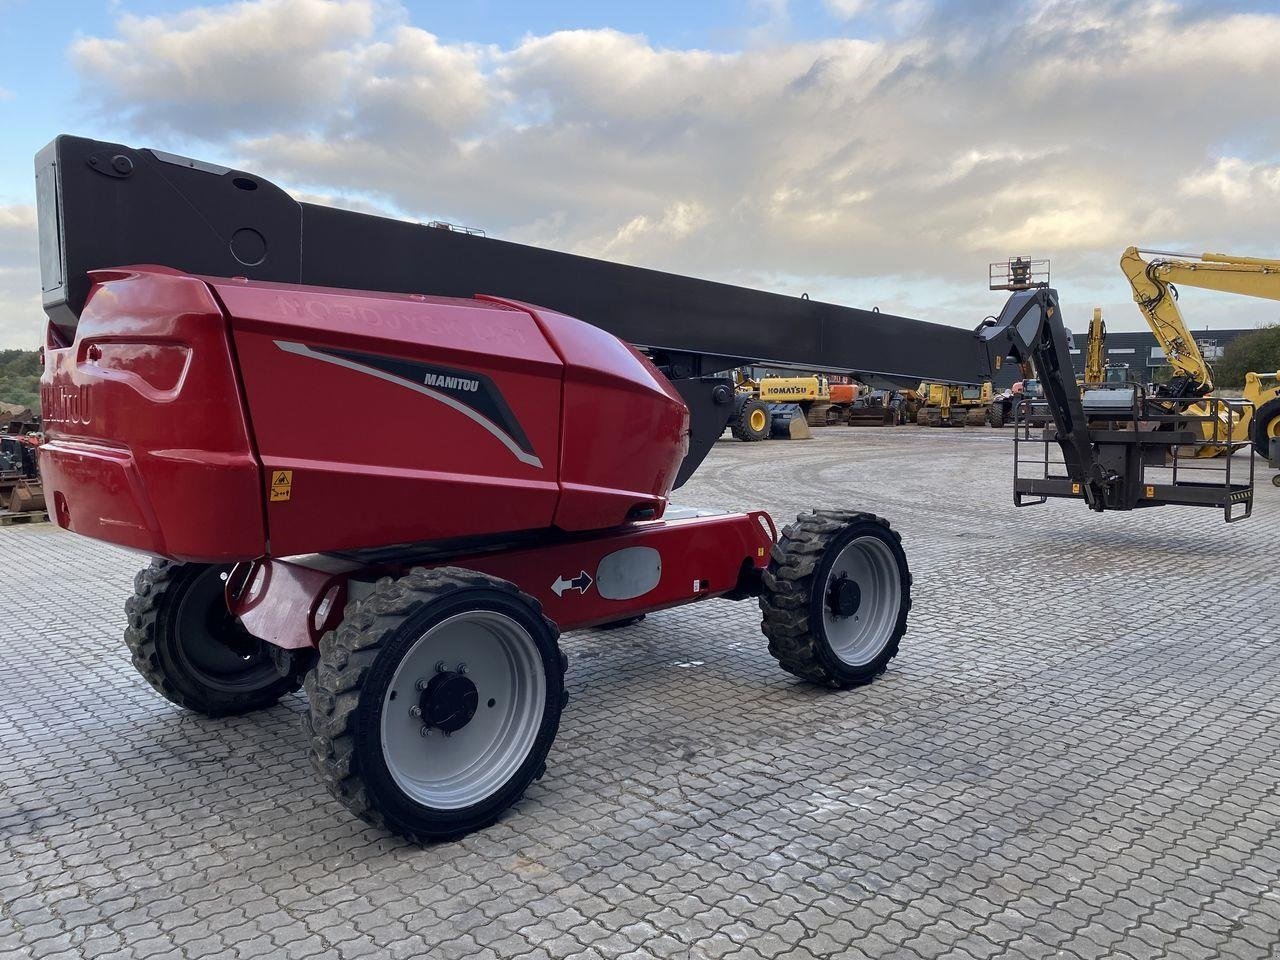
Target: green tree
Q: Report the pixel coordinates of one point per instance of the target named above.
(20, 378)
(1258, 350)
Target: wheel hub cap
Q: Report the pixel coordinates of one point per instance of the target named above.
(449, 701)
(844, 598)
(861, 600)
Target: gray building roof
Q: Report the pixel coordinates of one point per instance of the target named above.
(1138, 350)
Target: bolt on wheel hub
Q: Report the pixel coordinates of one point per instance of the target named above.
(861, 600)
(844, 597)
(469, 725)
(449, 701)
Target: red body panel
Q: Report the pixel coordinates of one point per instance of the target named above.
(147, 440)
(386, 418)
(292, 602)
(700, 558)
(373, 462)
(625, 429)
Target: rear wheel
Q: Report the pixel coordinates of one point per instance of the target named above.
(1266, 424)
(435, 702)
(753, 421)
(836, 596)
(995, 415)
(189, 647)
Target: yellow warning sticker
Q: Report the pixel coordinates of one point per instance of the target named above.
(281, 485)
(1075, 488)
(1151, 492)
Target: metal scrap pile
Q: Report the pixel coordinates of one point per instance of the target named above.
(20, 439)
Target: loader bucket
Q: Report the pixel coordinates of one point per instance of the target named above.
(26, 497)
(799, 429)
(787, 422)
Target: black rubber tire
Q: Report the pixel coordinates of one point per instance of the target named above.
(167, 636)
(742, 425)
(792, 599)
(995, 415)
(357, 663)
(1258, 429)
(1275, 479)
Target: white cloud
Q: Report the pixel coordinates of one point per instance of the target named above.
(848, 9)
(240, 67)
(21, 319)
(1236, 182)
(1058, 128)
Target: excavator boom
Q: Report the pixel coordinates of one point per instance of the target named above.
(1152, 292)
(1154, 285)
(1095, 364)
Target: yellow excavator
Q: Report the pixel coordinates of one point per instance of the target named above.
(824, 403)
(1095, 361)
(1154, 283)
(953, 405)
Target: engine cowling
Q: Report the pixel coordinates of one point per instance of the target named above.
(217, 419)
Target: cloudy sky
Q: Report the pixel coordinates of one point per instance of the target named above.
(871, 153)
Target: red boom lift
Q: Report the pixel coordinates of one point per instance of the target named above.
(417, 582)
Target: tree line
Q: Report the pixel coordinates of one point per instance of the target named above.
(1257, 351)
(20, 378)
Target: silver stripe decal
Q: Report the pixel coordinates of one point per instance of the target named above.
(302, 350)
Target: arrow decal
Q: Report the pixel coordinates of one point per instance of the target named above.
(582, 583)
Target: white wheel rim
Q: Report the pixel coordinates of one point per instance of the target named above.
(861, 637)
(468, 766)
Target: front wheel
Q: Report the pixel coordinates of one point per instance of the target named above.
(435, 702)
(752, 421)
(189, 647)
(836, 596)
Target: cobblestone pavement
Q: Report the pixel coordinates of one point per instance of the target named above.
(1074, 755)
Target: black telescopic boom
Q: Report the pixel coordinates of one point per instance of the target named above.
(109, 205)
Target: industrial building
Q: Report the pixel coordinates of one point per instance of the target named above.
(1138, 351)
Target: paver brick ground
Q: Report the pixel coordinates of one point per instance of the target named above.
(1074, 755)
